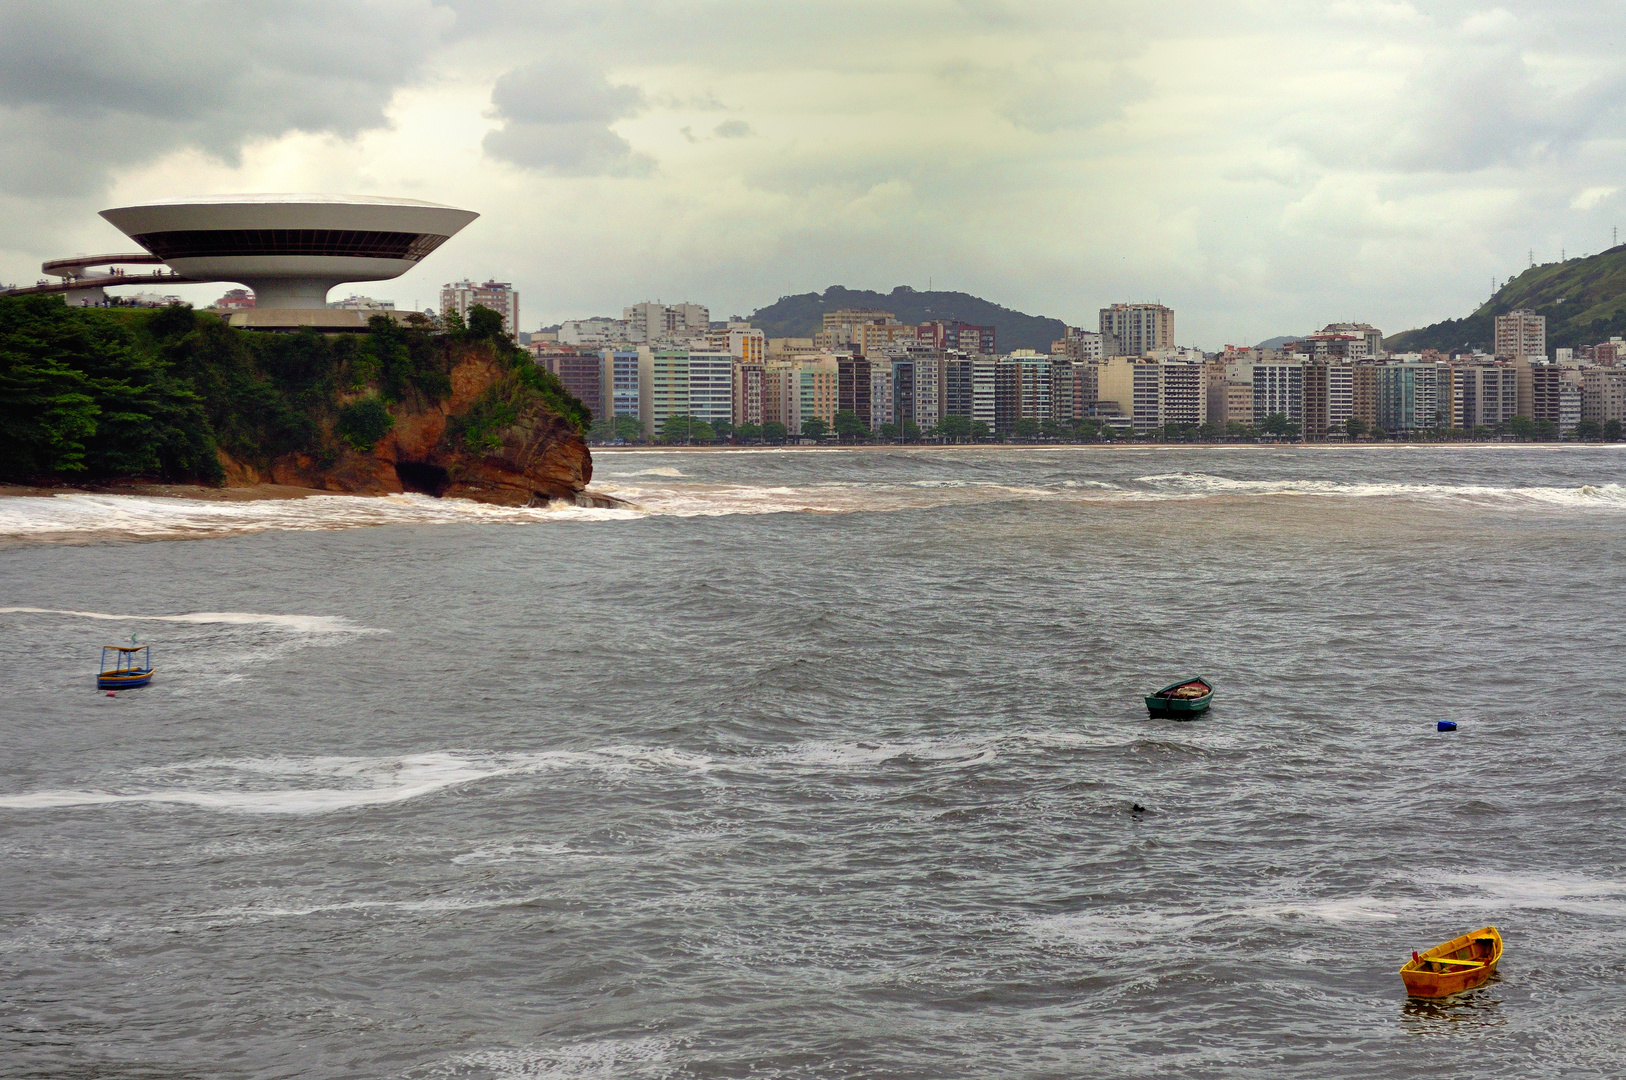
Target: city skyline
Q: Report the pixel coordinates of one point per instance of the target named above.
(664, 372)
(1048, 157)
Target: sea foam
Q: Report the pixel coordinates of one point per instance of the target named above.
(305, 624)
(324, 785)
(666, 492)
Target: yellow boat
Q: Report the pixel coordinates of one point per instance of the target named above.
(1460, 964)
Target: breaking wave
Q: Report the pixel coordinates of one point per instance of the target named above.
(304, 624)
(141, 517)
(1475, 897)
(322, 785)
(1202, 485)
(665, 492)
(662, 471)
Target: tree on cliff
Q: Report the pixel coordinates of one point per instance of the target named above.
(362, 423)
(92, 396)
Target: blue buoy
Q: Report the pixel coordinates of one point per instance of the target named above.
(1446, 725)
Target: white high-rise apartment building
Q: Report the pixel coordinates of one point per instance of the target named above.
(1521, 335)
(650, 323)
(983, 371)
(499, 296)
(1341, 393)
(1137, 329)
(711, 386)
(620, 371)
(880, 394)
(1278, 388)
(928, 390)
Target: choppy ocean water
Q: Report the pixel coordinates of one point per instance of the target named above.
(825, 765)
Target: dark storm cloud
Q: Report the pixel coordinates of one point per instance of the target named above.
(556, 118)
(85, 89)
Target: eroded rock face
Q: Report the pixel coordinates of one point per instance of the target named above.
(541, 457)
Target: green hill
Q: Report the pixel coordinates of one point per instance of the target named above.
(1584, 301)
(802, 315)
(103, 393)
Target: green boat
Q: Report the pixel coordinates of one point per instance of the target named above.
(1185, 698)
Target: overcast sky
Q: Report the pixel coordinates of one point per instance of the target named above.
(1263, 167)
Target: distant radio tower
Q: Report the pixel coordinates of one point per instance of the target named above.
(1532, 257)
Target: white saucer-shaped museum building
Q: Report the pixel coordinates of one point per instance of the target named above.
(289, 249)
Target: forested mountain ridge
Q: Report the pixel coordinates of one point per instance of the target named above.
(1584, 301)
(803, 314)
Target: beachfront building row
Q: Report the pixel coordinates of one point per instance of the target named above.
(908, 384)
(911, 384)
(1415, 393)
(890, 374)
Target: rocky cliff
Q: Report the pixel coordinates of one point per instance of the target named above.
(535, 458)
(169, 396)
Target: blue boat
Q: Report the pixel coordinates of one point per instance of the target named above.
(131, 666)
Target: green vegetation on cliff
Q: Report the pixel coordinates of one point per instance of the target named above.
(1584, 301)
(803, 315)
(98, 393)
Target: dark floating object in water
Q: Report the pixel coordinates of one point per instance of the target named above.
(1188, 697)
(1446, 725)
(1137, 808)
(127, 669)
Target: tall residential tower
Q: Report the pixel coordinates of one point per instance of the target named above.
(1136, 329)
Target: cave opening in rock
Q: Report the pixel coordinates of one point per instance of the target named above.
(422, 477)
